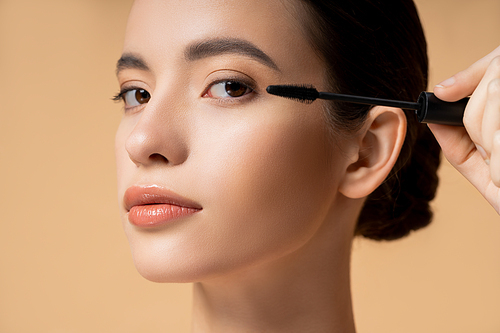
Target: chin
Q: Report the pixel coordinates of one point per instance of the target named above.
(170, 261)
(162, 272)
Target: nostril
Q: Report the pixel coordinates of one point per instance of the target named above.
(158, 158)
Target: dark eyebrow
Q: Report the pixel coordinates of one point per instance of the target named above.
(215, 47)
(130, 61)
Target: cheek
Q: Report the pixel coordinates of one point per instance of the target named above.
(269, 187)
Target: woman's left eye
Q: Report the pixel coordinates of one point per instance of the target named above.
(227, 89)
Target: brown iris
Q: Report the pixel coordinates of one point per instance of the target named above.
(142, 96)
(235, 89)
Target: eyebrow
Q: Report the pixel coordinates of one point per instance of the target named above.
(215, 47)
(204, 49)
(130, 61)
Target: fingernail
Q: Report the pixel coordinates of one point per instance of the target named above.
(447, 83)
(483, 154)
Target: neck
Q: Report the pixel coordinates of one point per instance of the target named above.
(305, 291)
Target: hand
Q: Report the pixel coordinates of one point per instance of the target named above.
(475, 150)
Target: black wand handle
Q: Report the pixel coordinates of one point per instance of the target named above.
(433, 110)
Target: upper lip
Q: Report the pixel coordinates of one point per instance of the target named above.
(154, 194)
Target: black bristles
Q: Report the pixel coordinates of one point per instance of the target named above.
(307, 94)
(304, 94)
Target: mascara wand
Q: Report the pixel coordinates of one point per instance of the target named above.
(428, 108)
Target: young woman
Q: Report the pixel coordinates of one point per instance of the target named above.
(256, 198)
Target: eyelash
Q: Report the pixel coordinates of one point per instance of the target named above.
(248, 89)
(122, 96)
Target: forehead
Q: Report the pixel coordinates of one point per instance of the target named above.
(201, 18)
(159, 28)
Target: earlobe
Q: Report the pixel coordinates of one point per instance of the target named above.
(379, 143)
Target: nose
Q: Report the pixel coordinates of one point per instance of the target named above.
(159, 136)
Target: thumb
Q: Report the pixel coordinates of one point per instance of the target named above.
(465, 82)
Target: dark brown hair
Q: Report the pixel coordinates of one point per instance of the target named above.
(377, 48)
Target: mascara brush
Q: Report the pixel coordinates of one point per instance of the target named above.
(428, 108)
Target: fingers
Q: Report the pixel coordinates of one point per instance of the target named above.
(475, 150)
(481, 118)
(490, 138)
(491, 116)
(461, 152)
(465, 82)
(456, 144)
(495, 159)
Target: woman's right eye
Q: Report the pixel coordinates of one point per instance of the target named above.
(133, 97)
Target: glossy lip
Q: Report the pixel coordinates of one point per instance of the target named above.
(153, 205)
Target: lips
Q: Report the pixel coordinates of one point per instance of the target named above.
(151, 206)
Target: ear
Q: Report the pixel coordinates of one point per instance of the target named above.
(377, 148)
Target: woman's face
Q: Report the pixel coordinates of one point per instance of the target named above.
(255, 174)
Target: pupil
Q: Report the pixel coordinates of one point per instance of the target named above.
(235, 89)
(142, 96)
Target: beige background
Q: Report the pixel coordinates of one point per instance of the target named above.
(64, 260)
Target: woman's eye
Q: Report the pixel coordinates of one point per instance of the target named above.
(228, 89)
(135, 97)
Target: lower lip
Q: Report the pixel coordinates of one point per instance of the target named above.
(157, 214)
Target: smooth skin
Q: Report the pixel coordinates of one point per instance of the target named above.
(270, 250)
